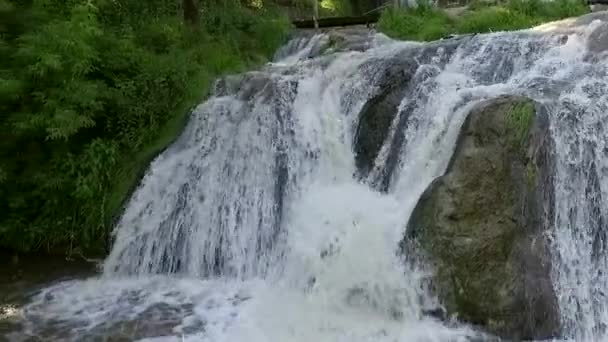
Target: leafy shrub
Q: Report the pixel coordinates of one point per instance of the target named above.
(90, 92)
(494, 19)
(335, 8)
(425, 23)
(548, 10)
(420, 23)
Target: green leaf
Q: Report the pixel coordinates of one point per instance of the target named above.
(65, 123)
(10, 89)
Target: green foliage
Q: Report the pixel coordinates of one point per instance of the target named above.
(494, 19)
(548, 10)
(327, 8)
(518, 14)
(270, 33)
(418, 23)
(423, 23)
(519, 120)
(91, 91)
(59, 98)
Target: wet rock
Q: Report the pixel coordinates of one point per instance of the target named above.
(245, 85)
(369, 298)
(588, 18)
(598, 39)
(22, 276)
(598, 7)
(438, 313)
(481, 224)
(354, 38)
(308, 44)
(378, 113)
(398, 80)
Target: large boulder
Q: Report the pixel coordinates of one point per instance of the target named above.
(481, 224)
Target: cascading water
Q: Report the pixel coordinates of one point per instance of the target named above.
(257, 226)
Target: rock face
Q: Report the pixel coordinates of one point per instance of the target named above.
(397, 80)
(481, 224)
(379, 112)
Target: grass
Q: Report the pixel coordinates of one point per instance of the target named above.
(493, 19)
(519, 119)
(424, 23)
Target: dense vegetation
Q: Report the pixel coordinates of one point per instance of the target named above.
(425, 22)
(92, 90)
(304, 9)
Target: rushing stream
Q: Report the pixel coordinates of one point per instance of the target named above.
(257, 226)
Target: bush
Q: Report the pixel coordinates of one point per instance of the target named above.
(494, 19)
(548, 10)
(424, 23)
(420, 23)
(327, 8)
(90, 94)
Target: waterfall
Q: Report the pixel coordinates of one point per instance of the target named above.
(256, 225)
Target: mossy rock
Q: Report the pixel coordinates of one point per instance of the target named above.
(481, 223)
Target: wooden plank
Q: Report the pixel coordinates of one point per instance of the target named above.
(338, 21)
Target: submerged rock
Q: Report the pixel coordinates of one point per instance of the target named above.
(481, 224)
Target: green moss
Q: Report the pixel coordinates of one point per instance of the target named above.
(467, 223)
(531, 176)
(519, 121)
(472, 249)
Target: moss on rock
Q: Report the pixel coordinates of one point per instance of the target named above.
(519, 120)
(479, 223)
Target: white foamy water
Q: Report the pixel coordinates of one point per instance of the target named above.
(254, 225)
